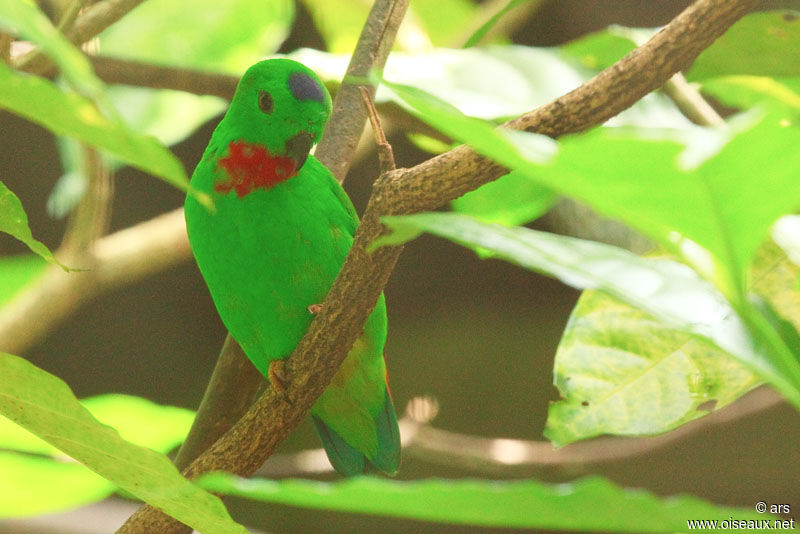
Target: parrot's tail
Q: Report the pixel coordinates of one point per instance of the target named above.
(349, 461)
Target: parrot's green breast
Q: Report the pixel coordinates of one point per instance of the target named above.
(270, 254)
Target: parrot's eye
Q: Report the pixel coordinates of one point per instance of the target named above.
(265, 102)
(304, 87)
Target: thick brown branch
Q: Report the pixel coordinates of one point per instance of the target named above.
(312, 365)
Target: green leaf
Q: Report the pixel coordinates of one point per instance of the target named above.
(48, 484)
(466, 79)
(760, 44)
(669, 291)
(620, 372)
(483, 136)
(69, 114)
(138, 420)
(443, 20)
(510, 200)
(169, 116)
(16, 272)
(636, 176)
(339, 23)
(204, 34)
(746, 91)
(25, 19)
(44, 405)
(586, 505)
(14, 221)
(600, 49)
(481, 32)
(34, 486)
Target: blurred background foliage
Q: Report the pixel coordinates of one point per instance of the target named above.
(479, 336)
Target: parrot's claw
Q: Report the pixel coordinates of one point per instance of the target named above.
(314, 309)
(277, 375)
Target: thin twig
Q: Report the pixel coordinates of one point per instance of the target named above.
(691, 102)
(357, 287)
(92, 21)
(385, 154)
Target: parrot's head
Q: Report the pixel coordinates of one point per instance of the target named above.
(281, 104)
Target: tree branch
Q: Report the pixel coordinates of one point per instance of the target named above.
(94, 19)
(428, 185)
(114, 260)
(691, 103)
(129, 72)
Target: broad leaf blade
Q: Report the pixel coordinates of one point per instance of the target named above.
(510, 200)
(14, 221)
(191, 34)
(706, 197)
(762, 44)
(51, 483)
(669, 291)
(16, 272)
(44, 405)
(30, 22)
(591, 504)
(34, 485)
(615, 362)
(69, 114)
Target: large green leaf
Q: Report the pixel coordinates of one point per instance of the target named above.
(591, 504)
(621, 372)
(169, 116)
(16, 272)
(746, 91)
(204, 34)
(33, 485)
(637, 176)
(467, 79)
(29, 22)
(14, 221)
(761, 44)
(69, 114)
(444, 20)
(44, 405)
(46, 484)
(510, 200)
(669, 291)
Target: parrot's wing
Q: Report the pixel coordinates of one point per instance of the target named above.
(343, 199)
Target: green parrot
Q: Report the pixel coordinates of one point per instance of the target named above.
(270, 251)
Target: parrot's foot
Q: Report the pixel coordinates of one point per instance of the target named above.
(276, 372)
(314, 309)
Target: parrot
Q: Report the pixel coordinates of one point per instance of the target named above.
(272, 246)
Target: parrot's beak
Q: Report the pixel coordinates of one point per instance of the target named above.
(298, 148)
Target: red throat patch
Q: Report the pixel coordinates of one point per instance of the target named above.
(250, 166)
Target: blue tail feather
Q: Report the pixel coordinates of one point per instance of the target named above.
(349, 461)
(388, 458)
